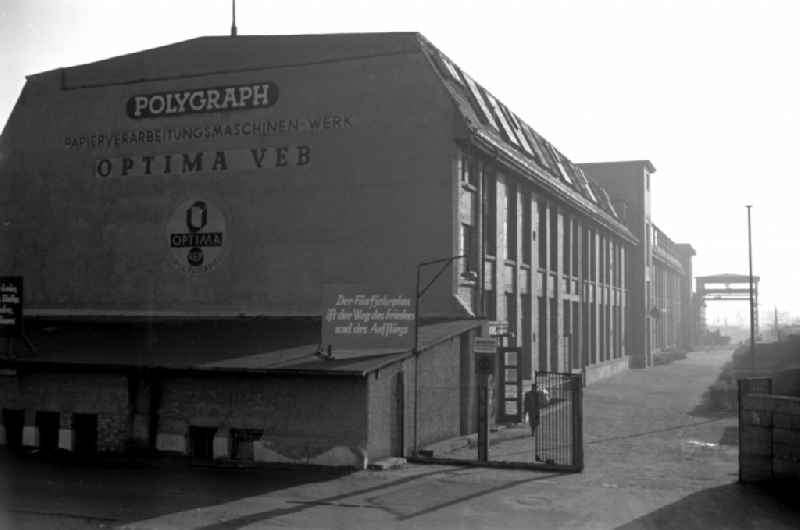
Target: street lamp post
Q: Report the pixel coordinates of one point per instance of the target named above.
(418, 293)
(752, 308)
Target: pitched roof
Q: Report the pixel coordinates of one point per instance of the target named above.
(490, 117)
(495, 121)
(256, 345)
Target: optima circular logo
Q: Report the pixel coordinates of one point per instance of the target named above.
(196, 233)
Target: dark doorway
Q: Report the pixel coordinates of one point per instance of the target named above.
(48, 424)
(13, 421)
(85, 429)
(242, 444)
(201, 440)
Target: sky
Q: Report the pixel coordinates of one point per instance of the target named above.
(708, 91)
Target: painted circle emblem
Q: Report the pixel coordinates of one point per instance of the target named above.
(197, 236)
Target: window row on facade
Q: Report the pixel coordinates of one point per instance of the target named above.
(557, 277)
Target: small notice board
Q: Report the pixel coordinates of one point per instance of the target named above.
(10, 306)
(357, 320)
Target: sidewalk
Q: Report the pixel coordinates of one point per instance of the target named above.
(650, 463)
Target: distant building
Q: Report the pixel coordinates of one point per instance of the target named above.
(661, 313)
(176, 214)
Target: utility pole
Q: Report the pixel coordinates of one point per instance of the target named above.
(752, 309)
(777, 331)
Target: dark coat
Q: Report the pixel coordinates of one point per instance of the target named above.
(534, 403)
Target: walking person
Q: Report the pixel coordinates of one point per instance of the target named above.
(535, 401)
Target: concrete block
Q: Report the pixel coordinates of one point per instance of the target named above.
(2, 435)
(30, 436)
(171, 443)
(222, 447)
(66, 439)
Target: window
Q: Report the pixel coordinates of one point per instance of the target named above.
(515, 126)
(567, 261)
(489, 299)
(48, 424)
(467, 248)
(501, 119)
(450, 68)
(511, 312)
(541, 233)
(527, 228)
(242, 443)
(510, 222)
(468, 169)
(201, 442)
(490, 234)
(575, 246)
(533, 140)
(586, 185)
(593, 256)
(478, 99)
(542, 337)
(553, 239)
(85, 427)
(13, 421)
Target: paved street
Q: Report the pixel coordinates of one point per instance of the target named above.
(652, 461)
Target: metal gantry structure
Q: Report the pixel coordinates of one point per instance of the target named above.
(729, 288)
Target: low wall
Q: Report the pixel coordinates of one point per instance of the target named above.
(769, 433)
(597, 372)
(254, 417)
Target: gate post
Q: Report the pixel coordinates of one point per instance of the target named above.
(577, 423)
(483, 418)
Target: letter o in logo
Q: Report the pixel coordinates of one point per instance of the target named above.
(157, 104)
(104, 167)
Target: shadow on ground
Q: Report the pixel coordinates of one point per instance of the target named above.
(730, 506)
(117, 491)
(409, 497)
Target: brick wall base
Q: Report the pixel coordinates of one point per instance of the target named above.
(769, 446)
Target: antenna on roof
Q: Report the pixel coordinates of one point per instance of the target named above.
(233, 24)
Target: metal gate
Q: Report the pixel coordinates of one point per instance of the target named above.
(556, 444)
(558, 440)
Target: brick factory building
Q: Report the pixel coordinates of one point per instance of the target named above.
(177, 214)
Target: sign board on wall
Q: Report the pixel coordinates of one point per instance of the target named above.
(498, 328)
(484, 345)
(197, 236)
(358, 321)
(10, 306)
